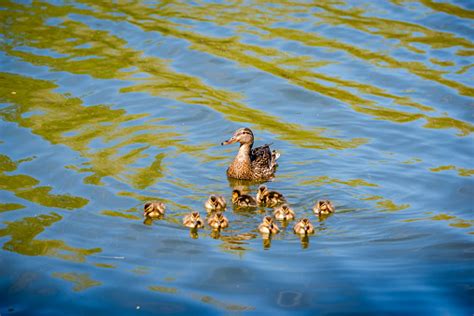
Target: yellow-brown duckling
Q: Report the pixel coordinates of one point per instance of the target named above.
(303, 227)
(269, 198)
(242, 200)
(323, 207)
(193, 220)
(154, 209)
(267, 226)
(284, 213)
(218, 221)
(215, 203)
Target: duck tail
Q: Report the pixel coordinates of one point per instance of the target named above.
(275, 155)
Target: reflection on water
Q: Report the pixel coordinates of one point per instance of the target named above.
(22, 235)
(81, 281)
(105, 106)
(221, 305)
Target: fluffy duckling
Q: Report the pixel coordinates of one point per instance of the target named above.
(269, 198)
(284, 213)
(193, 220)
(215, 203)
(303, 227)
(242, 200)
(218, 221)
(323, 207)
(268, 226)
(154, 209)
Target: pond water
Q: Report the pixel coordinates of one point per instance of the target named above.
(105, 106)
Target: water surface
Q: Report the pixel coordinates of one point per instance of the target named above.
(105, 106)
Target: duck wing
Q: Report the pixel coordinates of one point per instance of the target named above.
(263, 161)
(261, 157)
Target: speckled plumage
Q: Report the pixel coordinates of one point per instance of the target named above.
(242, 200)
(269, 198)
(215, 203)
(268, 226)
(218, 221)
(323, 207)
(154, 209)
(303, 227)
(284, 213)
(193, 220)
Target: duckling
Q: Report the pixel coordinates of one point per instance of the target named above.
(218, 221)
(242, 200)
(260, 198)
(215, 203)
(154, 209)
(193, 220)
(251, 164)
(284, 213)
(269, 198)
(303, 227)
(323, 207)
(268, 226)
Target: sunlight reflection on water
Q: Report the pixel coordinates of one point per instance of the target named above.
(107, 105)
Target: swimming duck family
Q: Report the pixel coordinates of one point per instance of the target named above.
(251, 163)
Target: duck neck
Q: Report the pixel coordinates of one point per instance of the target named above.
(244, 152)
(241, 167)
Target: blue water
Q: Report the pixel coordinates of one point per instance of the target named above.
(106, 106)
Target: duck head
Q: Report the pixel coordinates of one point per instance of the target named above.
(242, 135)
(235, 195)
(267, 220)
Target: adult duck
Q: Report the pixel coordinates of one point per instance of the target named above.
(251, 163)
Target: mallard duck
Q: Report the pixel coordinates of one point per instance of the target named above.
(284, 213)
(251, 164)
(269, 198)
(154, 209)
(193, 220)
(268, 226)
(218, 221)
(323, 207)
(303, 227)
(215, 203)
(242, 200)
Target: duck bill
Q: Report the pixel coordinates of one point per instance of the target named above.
(229, 141)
